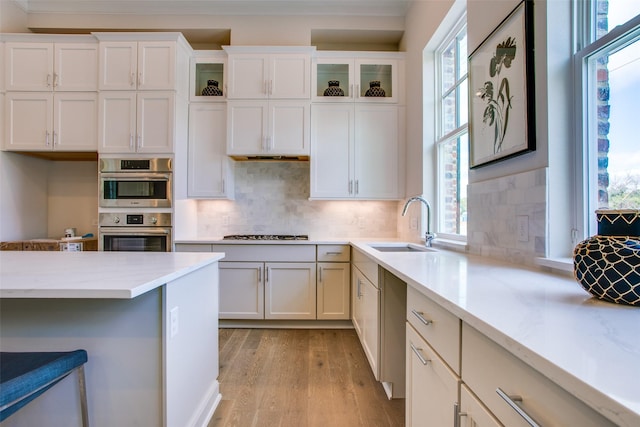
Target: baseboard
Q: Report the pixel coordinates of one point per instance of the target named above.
(286, 324)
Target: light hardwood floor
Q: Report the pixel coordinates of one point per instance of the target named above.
(299, 378)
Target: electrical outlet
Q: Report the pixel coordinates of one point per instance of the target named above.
(522, 222)
(174, 321)
(413, 223)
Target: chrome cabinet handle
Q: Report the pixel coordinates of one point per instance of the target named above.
(421, 318)
(223, 186)
(320, 274)
(511, 401)
(359, 288)
(55, 79)
(350, 186)
(357, 186)
(266, 275)
(259, 274)
(457, 415)
(334, 253)
(131, 141)
(46, 138)
(139, 144)
(420, 356)
(55, 139)
(132, 79)
(48, 80)
(139, 79)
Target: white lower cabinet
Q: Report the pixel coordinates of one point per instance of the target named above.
(365, 302)
(241, 290)
(473, 413)
(432, 387)
(489, 369)
(290, 290)
(333, 282)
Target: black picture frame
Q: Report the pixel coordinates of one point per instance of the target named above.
(502, 91)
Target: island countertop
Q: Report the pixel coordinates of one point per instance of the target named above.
(118, 275)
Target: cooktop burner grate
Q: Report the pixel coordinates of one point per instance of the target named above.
(266, 237)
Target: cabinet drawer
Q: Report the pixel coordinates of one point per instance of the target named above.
(334, 253)
(366, 265)
(193, 247)
(436, 325)
(267, 253)
(487, 367)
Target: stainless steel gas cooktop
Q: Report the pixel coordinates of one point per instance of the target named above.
(266, 237)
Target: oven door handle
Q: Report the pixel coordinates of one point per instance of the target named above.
(136, 176)
(135, 231)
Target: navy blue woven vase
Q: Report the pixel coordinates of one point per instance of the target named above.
(608, 265)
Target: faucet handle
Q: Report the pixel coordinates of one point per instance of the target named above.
(428, 238)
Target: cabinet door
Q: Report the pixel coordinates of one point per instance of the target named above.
(366, 319)
(339, 71)
(289, 76)
(289, 128)
(473, 413)
(376, 152)
(382, 71)
(210, 170)
(29, 121)
(28, 66)
(432, 388)
(118, 65)
(75, 126)
(241, 290)
(333, 290)
(117, 122)
(248, 76)
(246, 127)
(156, 65)
(155, 121)
(332, 133)
(290, 290)
(75, 67)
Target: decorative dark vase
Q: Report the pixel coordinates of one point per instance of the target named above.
(212, 89)
(607, 265)
(333, 89)
(375, 89)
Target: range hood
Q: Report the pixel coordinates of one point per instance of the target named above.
(243, 158)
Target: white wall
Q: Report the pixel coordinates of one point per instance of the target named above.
(13, 18)
(23, 197)
(72, 189)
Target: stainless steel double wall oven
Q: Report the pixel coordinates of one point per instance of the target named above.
(135, 204)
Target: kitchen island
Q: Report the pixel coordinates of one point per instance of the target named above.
(148, 321)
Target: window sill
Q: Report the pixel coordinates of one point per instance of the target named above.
(560, 264)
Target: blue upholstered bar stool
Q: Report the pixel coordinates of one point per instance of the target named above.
(25, 376)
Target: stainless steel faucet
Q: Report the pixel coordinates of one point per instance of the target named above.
(428, 236)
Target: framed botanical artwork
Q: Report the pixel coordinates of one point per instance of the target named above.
(502, 91)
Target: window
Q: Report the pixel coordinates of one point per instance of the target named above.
(608, 72)
(452, 134)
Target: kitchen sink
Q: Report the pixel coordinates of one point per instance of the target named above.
(400, 247)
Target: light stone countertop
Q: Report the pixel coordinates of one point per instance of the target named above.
(588, 347)
(120, 275)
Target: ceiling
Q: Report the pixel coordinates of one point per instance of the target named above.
(222, 7)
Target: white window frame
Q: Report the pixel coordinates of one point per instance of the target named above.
(440, 139)
(585, 223)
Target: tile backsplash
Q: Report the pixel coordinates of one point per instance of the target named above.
(507, 217)
(273, 198)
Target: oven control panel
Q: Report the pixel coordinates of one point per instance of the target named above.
(126, 219)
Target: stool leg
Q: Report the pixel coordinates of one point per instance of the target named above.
(83, 397)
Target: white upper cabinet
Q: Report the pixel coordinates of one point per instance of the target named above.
(341, 77)
(131, 122)
(48, 66)
(356, 152)
(269, 73)
(207, 82)
(143, 61)
(268, 128)
(210, 169)
(42, 121)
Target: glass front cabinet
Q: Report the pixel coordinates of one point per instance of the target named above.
(208, 82)
(347, 79)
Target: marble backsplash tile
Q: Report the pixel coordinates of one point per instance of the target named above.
(494, 208)
(273, 198)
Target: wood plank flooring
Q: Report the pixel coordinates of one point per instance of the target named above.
(299, 378)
